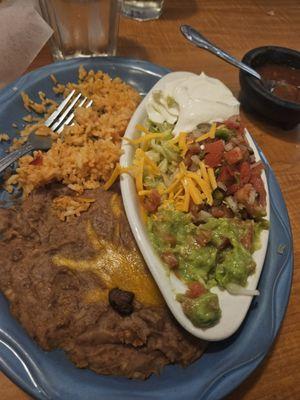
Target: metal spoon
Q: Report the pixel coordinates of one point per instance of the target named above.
(199, 40)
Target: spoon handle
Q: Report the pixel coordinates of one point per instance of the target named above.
(14, 156)
(199, 40)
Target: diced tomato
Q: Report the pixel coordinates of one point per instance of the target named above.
(246, 195)
(241, 129)
(252, 196)
(245, 172)
(194, 148)
(195, 289)
(233, 188)
(247, 239)
(194, 208)
(215, 147)
(233, 156)
(38, 160)
(212, 159)
(170, 259)
(203, 237)
(222, 212)
(153, 201)
(226, 175)
(170, 239)
(260, 188)
(217, 212)
(256, 171)
(214, 153)
(245, 153)
(234, 123)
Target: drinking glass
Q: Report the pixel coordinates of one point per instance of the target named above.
(82, 27)
(142, 10)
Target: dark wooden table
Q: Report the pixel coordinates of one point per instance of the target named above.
(237, 26)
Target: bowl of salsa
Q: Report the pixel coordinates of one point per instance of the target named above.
(277, 98)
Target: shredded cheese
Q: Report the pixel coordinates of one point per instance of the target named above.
(116, 172)
(175, 140)
(194, 192)
(182, 143)
(212, 178)
(203, 137)
(180, 191)
(145, 138)
(182, 167)
(212, 131)
(143, 214)
(139, 162)
(186, 199)
(144, 192)
(141, 128)
(175, 183)
(203, 171)
(206, 190)
(209, 135)
(151, 164)
(204, 186)
(161, 188)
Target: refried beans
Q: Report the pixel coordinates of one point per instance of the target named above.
(58, 275)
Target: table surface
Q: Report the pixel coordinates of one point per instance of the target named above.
(237, 26)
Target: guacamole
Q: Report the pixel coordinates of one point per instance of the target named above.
(216, 253)
(203, 311)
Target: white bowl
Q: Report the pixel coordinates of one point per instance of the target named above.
(234, 307)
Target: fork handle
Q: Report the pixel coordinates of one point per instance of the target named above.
(14, 156)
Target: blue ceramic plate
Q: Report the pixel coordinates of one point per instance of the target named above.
(49, 375)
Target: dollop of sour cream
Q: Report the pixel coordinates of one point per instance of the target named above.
(190, 101)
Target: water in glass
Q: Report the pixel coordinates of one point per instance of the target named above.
(142, 10)
(82, 27)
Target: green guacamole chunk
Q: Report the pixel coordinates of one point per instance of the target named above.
(236, 266)
(203, 311)
(215, 253)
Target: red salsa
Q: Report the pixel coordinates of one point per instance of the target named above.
(286, 80)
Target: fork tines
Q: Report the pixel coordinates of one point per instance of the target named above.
(64, 114)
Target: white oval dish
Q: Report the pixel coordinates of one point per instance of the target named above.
(234, 307)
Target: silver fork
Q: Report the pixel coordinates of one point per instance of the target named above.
(62, 116)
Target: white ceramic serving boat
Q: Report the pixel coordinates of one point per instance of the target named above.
(234, 307)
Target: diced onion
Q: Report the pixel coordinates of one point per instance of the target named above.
(235, 289)
(195, 159)
(204, 215)
(153, 155)
(256, 164)
(236, 140)
(222, 186)
(228, 146)
(232, 204)
(252, 196)
(252, 159)
(163, 166)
